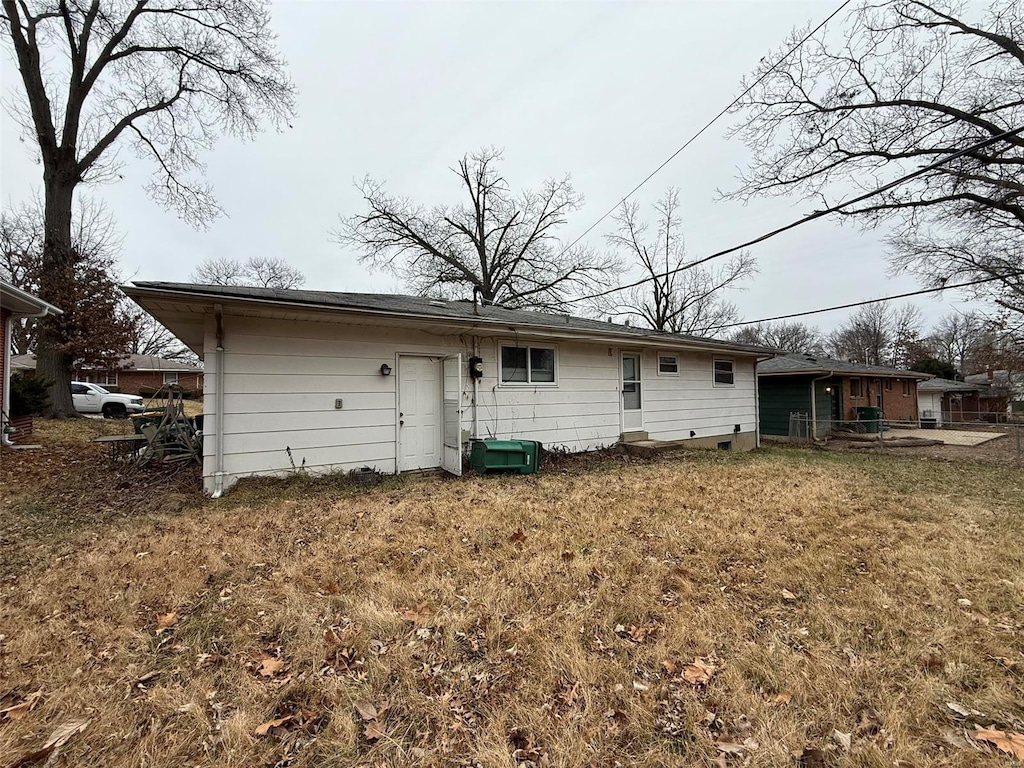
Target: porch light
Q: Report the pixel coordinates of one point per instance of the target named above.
(385, 369)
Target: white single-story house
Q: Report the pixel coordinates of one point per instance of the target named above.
(341, 381)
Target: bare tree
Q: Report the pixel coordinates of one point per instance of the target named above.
(146, 336)
(878, 334)
(793, 337)
(956, 336)
(165, 78)
(906, 83)
(93, 331)
(673, 298)
(500, 243)
(261, 272)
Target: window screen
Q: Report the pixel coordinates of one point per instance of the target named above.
(668, 364)
(724, 372)
(528, 365)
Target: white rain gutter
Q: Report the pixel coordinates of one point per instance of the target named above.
(814, 404)
(218, 397)
(47, 309)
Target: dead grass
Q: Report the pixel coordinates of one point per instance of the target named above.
(552, 619)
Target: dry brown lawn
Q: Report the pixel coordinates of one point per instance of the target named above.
(778, 608)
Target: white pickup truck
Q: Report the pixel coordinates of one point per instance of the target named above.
(92, 398)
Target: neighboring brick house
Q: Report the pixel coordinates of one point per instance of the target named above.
(14, 305)
(137, 374)
(840, 387)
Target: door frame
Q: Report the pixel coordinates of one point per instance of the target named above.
(639, 355)
(439, 358)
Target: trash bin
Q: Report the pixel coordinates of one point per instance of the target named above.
(870, 416)
(144, 419)
(520, 456)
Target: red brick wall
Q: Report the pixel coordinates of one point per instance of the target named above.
(130, 382)
(895, 405)
(4, 314)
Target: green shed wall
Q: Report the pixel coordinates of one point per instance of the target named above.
(778, 396)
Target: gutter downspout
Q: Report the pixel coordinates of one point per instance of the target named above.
(476, 393)
(218, 421)
(814, 404)
(5, 439)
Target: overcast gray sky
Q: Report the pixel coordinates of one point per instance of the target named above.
(400, 90)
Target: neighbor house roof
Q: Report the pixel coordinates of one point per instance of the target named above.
(128, 363)
(948, 385)
(24, 304)
(784, 365)
(168, 301)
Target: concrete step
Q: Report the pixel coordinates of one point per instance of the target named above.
(635, 436)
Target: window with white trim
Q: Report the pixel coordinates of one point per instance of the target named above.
(527, 365)
(171, 377)
(725, 374)
(668, 365)
(103, 378)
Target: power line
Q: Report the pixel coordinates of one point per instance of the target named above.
(857, 303)
(707, 125)
(808, 218)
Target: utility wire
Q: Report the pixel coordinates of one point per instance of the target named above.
(808, 218)
(708, 124)
(857, 303)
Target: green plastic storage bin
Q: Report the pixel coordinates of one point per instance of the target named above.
(505, 455)
(870, 416)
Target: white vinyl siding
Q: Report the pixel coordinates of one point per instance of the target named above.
(282, 377)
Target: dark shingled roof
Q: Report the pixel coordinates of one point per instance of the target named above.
(792, 364)
(948, 385)
(418, 306)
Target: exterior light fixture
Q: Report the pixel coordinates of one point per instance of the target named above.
(385, 369)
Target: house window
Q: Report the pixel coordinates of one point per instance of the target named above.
(856, 387)
(171, 377)
(724, 374)
(888, 385)
(668, 365)
(527, 365)
(906, 387)
(103, 378)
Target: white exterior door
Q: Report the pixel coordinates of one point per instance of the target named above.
(451, 440)
(419, 413)
(632, 396)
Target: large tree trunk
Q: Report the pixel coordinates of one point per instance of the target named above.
(53, 363)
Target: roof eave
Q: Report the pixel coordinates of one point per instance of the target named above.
(654, 338)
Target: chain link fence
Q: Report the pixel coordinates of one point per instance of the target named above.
(999, 440)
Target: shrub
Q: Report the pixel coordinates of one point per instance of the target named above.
(28, 395)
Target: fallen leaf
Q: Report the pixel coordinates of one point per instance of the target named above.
(963, 602)
(264, 729)
(366, 710)
(208, 659)
(373, 730)
(638, 686)
(869, 722)
(333, 588)
(18, 711)
(961, 710)
(165, 621)
(671, 668)
(270, 667)
(788, 596)
(809, 757)
(64, 732)
(781, 699)
(844, 740)
(700, 672)
(518, 537)
(378, 647)
(1005, 741)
